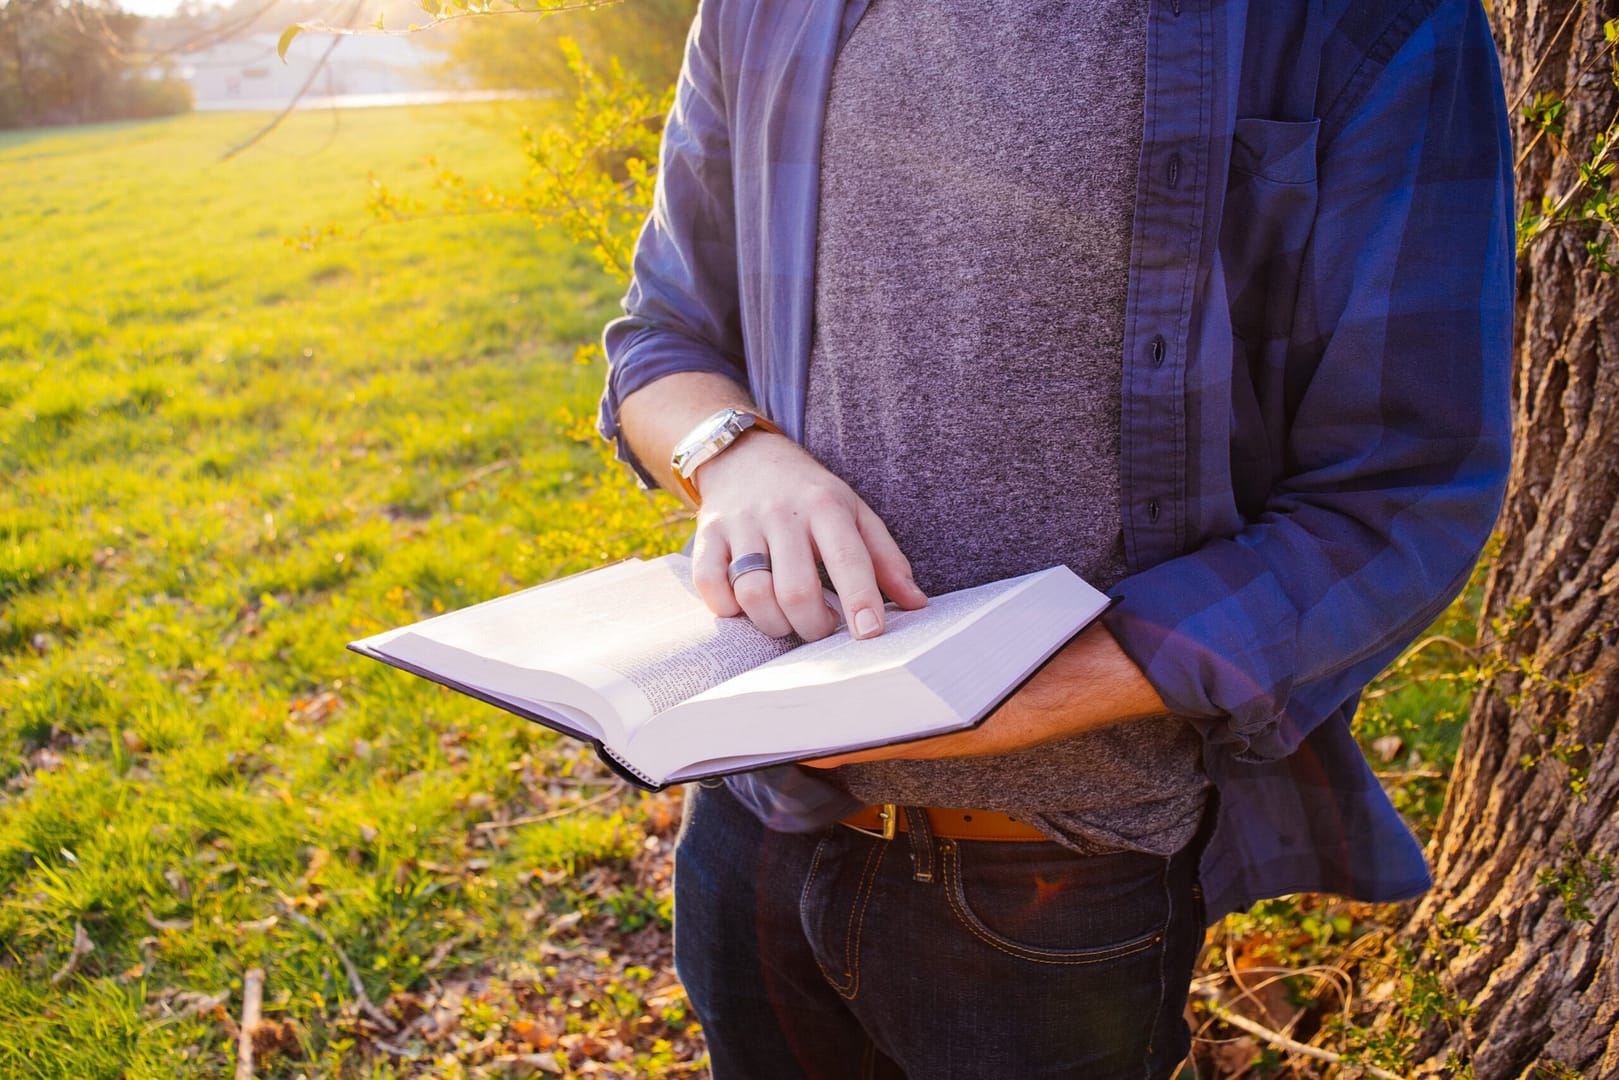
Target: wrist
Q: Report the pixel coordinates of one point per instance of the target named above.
(754, 449)
(714, 435)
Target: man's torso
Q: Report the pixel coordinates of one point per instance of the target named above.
(977, 189)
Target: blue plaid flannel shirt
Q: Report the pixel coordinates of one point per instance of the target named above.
(1315, 413)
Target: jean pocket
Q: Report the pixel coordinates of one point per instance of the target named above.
(833, 904)
(1052, 906)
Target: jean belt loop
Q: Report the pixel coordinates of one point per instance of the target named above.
(920, 830)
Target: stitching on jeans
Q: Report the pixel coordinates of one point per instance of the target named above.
(851, 947)
(958, 904)
(1163, 976)
(848, 985)
(809, 878)
(848, 930)
(851, 941)
(803, 901)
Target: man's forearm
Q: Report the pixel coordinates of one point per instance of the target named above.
(660, 414)
(1090, 683)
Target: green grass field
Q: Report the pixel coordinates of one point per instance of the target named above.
(223, 458)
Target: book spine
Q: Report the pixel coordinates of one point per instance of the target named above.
(625, 770)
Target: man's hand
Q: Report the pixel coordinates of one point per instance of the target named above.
(765, 495)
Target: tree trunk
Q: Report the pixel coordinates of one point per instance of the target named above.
(1532, 819)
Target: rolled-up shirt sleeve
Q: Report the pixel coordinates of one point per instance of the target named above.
(681, 309)
(1397, 446)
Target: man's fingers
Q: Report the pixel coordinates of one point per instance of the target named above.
(753, 593)
(709, 559)
(791, 510)
(889, 564)
(798, 583)
(843, 552)
(756, 593)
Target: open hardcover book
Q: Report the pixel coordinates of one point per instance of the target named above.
(627, 658)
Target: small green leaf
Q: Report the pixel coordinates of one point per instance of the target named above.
(286, 39)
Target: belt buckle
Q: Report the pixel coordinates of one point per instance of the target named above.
(889, 812)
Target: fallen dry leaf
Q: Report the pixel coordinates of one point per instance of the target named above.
(1388, 747)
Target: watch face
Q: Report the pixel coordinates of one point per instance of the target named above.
(708, 439)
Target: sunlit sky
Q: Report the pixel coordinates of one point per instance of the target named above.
(150, 7)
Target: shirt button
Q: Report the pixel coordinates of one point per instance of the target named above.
(1152, 509)
(1159, 349)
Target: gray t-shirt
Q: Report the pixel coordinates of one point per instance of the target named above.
(977, 189)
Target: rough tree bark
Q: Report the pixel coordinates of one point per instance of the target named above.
(1533, 807)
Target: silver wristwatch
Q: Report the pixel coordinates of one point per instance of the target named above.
(708, 438)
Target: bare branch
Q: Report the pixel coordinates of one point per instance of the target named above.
(1530, 81)
(207, 39)
(594, 800)
(252, 1005)
(1277, 1039)
(362, 999)
(320, 65)
(82, 947)
(439, 20)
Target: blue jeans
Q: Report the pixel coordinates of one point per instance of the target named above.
(840, 955)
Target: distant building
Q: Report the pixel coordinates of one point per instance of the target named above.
(246, 73)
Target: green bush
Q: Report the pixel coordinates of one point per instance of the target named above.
(647, 37)
(148, 98)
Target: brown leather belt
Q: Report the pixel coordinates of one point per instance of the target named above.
(883, 821)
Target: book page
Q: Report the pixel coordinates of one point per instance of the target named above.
(905, 634)
(639, 637)
(937, 669)
(669, 670)
(557, 593)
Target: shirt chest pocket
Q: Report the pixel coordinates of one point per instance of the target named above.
(1269, 209)
(1268, 215)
